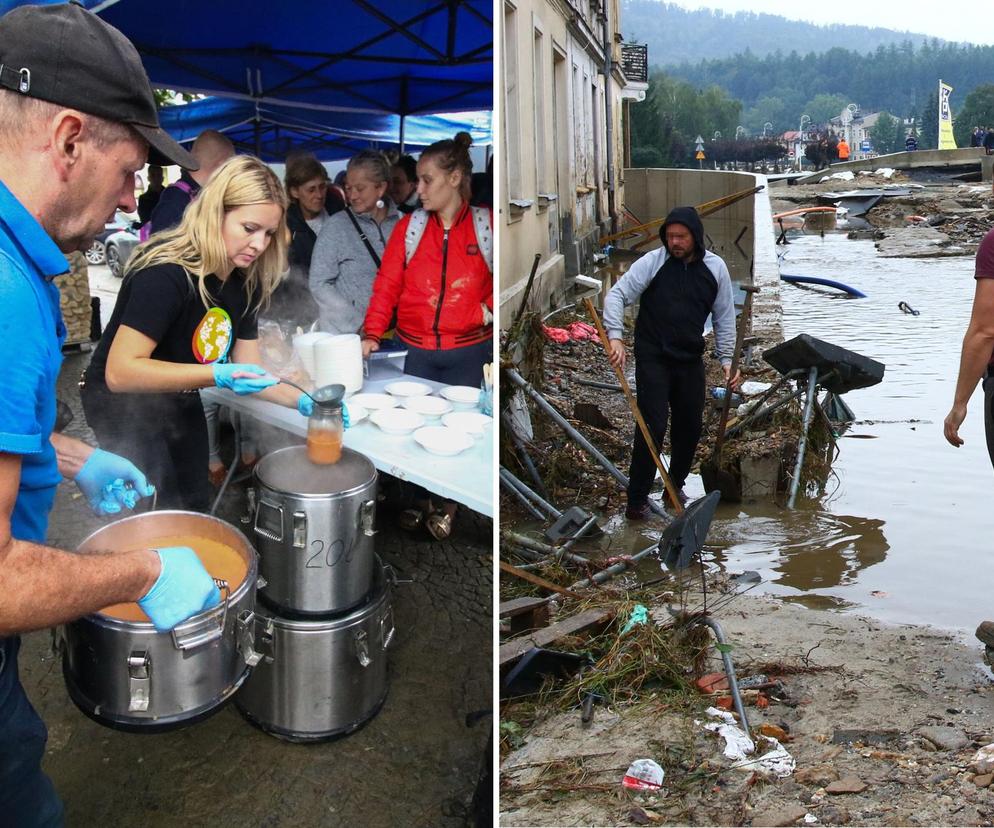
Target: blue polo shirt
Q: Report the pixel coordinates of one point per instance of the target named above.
(31, 337)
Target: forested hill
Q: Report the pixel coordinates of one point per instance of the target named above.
(896, 78)
(675, 34)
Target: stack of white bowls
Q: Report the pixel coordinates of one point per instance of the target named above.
(338, 359)
(303, 346)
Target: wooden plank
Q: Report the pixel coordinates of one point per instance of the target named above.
(525, 614)
(534, 579)
(517, 647)
(519, 606)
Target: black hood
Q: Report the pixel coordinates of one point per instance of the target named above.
(688, 217)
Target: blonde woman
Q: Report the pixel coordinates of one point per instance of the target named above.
(185, 319)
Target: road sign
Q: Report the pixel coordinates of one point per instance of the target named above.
(864, 146)
(699, 156)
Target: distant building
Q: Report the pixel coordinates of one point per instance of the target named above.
(564, 139)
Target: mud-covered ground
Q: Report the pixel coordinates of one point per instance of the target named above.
(416, 763)
(882, 722)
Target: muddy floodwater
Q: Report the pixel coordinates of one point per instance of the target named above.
(903, 531)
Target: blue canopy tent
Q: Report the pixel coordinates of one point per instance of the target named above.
(400, 57)
(270, 131)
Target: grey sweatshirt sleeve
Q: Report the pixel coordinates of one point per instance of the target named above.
(628, 289)
(723, 310)
(337, 313)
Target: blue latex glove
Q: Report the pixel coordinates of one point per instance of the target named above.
(183, 589)
(225, 377)
(305, 405)
(109, 482)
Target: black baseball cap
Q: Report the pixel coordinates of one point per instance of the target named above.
(68, 56)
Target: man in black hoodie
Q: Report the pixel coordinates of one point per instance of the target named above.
(677, 286)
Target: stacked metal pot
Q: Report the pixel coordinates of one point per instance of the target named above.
(323, 620)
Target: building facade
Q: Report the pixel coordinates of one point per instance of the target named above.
(562, 139)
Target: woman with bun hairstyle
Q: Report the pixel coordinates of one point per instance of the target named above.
(185, 319)
(437, 277)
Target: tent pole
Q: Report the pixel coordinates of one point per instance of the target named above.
(402, 120)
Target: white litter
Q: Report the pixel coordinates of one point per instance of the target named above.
(886, 172)
(752, 387)
(810, 819)
(643, 775)
(738, 747)
(840, 176)
(983, 759)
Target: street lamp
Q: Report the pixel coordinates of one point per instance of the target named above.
(851, 109)
(739, 131)
(767, 127)
(716, 135)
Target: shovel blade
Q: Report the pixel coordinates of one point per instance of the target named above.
(717, 479)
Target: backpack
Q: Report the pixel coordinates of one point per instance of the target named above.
(146, 229)
(481, 224)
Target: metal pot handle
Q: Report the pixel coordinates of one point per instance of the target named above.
(197, 633)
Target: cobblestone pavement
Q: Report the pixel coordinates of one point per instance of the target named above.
(415, 764)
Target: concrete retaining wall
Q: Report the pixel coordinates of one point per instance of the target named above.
(920, 159)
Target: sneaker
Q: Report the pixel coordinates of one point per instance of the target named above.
(638, 512)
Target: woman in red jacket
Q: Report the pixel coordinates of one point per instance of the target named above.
(437, 276)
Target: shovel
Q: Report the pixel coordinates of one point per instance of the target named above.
(713, 475)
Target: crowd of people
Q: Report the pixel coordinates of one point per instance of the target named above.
(983, 137)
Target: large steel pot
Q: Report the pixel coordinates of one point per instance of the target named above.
(320, 679)
(127, 675)
(314, 531)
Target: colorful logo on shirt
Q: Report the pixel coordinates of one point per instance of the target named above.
(212, 337)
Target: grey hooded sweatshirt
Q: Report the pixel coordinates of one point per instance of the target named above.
(342, 270)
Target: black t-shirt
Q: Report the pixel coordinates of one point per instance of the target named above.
(162, 303)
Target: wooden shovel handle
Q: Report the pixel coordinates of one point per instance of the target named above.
(623, 381)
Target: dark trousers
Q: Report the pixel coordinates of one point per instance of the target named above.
(456, 366)
(27, 796)
(164, 435)
(668, 393)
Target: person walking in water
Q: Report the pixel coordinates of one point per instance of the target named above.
(677, 286)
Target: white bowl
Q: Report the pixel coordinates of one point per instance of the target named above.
(462, 396)
(431, 408)
(397, 420)
(443, 440)
(373, 402)
(356, 413)
(407, 389)
(472, 422)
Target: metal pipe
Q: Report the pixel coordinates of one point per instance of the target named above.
(607, 386)
(580, 440)
(614, 569)
(534, 497)
(802, 444)
(532, 545)
(733, 685)
(524, 500)
(608, 47)
(526, 458)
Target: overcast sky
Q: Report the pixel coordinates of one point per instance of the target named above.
(901, 15)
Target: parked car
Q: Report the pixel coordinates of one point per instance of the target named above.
(120, 246)
(97, 253)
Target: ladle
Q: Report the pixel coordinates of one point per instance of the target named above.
(330, 395)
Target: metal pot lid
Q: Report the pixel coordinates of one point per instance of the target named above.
(289, 471)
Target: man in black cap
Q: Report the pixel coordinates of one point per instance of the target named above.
(677, 286)
(77, 118)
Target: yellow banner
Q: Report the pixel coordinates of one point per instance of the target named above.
(946, 139)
